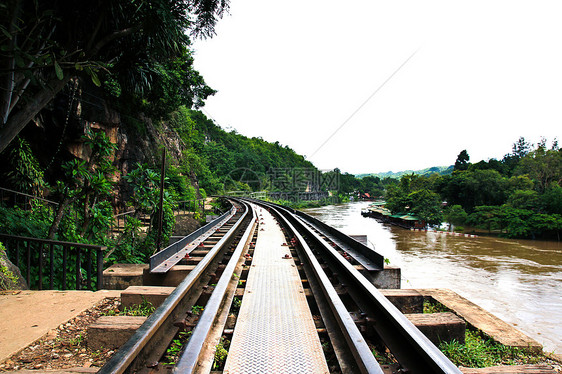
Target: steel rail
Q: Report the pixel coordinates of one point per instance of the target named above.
(363, 254)
(189, 358)
(364, 358)
(162, 319)
(409, 345)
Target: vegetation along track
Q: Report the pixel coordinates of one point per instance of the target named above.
(356, 324)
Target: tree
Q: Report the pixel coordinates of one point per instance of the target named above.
(348, 183)
(552, 199)
(525, 199)
(520, 182)
(486, 216)
(43, 44)
(462, 160)
(542, 165)
(396, 198)
(411, 195)
(470, 189)
(87, 183)
(371, 185)
(517, 221)
(176, 83)
(426, 204)
(456, 215)
(146, 199)
(520, 148)
(488, 187)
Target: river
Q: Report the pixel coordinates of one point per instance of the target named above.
(520, 281)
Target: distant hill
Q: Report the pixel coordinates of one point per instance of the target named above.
(442, 170)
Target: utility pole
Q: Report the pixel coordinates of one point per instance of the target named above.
(161, 210)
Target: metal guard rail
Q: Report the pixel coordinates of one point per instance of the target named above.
(171, 309)
(159, 257)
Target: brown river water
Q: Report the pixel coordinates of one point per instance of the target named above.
(520, 281)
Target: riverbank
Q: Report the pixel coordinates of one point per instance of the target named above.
(516, 280)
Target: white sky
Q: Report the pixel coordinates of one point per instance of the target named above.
(484, 74)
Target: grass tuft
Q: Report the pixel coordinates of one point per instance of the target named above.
(481, 351)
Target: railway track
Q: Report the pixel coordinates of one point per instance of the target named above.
(352, 320)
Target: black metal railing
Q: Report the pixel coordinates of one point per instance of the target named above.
(64, 262)
(188, 206)
(16, 198)
(119, 221)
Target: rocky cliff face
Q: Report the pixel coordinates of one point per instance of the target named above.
(10, 276)
(57, 136)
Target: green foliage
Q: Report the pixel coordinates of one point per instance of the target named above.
(462, 160)
(542, 165)
(473, 188)
(516, 222)
(223, 161)
(176, 84)
(524, 199)
(487, 216)
(551, 199)
(144, 309)
(440, 170)
(236, 304)
(146, 200)
(142, 50)
(373, 185)
(456, 215)
(520, 183)
(221, 352)
(179, 185)
(145, 182)
(480, 351)
(519, 196)
(127, 247)
(34, 223)
(383, 358)
(432, 306)
(426, 204)
(413, 195)
(85, 191)
(25, 174)
(7, 279)
(173, 352)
